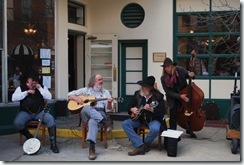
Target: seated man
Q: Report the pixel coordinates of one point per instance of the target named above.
(93, 115)
(31, 96)
(148, 105)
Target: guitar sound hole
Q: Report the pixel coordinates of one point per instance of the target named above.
(86, 101)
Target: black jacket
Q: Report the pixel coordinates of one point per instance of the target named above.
(159, 110)
(173, 94)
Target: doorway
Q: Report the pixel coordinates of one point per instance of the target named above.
(132, 68)
(76, 51)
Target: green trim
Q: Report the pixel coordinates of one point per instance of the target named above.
(217, 77)
(75, 32)
(224, 107)
(175, 26)
(203, 12)
(210, 34)
(123, 44)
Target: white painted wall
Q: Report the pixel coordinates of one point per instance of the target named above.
(157, 26)
(103, 17)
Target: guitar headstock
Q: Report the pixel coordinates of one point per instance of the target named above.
(154, 104)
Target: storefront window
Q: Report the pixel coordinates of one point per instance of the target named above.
(30, 42)
(215, 36)
(187, 44)
(226, 22)
(193, 23)
(76, 13)
(226, 44)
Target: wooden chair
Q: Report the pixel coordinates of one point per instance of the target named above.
(103, 133)
(32, 125)
(142, 131)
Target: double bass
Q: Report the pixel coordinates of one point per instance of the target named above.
(190, 116)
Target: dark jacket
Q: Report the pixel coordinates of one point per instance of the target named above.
(159, 110)
(173, 94)
(32, 103)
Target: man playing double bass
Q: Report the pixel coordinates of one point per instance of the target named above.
(173, 80)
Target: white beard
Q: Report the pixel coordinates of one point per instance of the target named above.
(97, 88)
(144, 93)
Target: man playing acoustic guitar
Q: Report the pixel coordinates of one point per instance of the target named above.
(95, 114)
(148, 103)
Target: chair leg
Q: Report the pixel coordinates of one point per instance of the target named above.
(159, 142)
(43, 134)
(20, 139)
(83, 134)
(101, 134)
(104, 137)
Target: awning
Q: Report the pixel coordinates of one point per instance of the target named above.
(22, 49)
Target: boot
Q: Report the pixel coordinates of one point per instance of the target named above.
(191, 133)
(92, 154)
(146, 147)
(107, 126)
(26, 133)
(138, 151)
(52, 134)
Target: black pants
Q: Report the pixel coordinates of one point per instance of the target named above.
(173, 116)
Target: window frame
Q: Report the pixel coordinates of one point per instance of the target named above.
(210, 34)
(77, 5)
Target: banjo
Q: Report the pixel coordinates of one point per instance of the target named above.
(33, 145)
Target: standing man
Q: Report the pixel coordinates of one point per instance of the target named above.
(152, 113)
(31, 96)
(173, 80)
(94, 115)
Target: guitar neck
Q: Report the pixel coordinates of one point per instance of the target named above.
(93, 100)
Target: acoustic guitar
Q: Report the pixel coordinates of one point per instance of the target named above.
(75, 107)
(134, 117)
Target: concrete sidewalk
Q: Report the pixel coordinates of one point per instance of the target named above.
(211, 145)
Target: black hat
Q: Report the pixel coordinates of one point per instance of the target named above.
(147, 82)
(34, 75)
(167, 62)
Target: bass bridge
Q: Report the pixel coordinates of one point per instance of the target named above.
(187, 113)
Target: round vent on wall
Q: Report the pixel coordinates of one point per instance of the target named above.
(132, 15)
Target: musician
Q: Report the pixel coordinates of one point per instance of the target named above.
(150, 116)
(173, 80)
(31, 96)
(94, 115)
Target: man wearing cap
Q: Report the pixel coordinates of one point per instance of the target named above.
(151, 115)
(173, 80)
(31, 96)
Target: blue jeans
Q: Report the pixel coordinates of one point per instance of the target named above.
(129, 126)
(23, 117)
(93, 117)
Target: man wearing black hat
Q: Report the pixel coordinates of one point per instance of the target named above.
(173, 80)
(31, 96)
(149, 108)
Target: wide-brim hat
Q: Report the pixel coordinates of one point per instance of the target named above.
(167, 62)
(147, 82)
